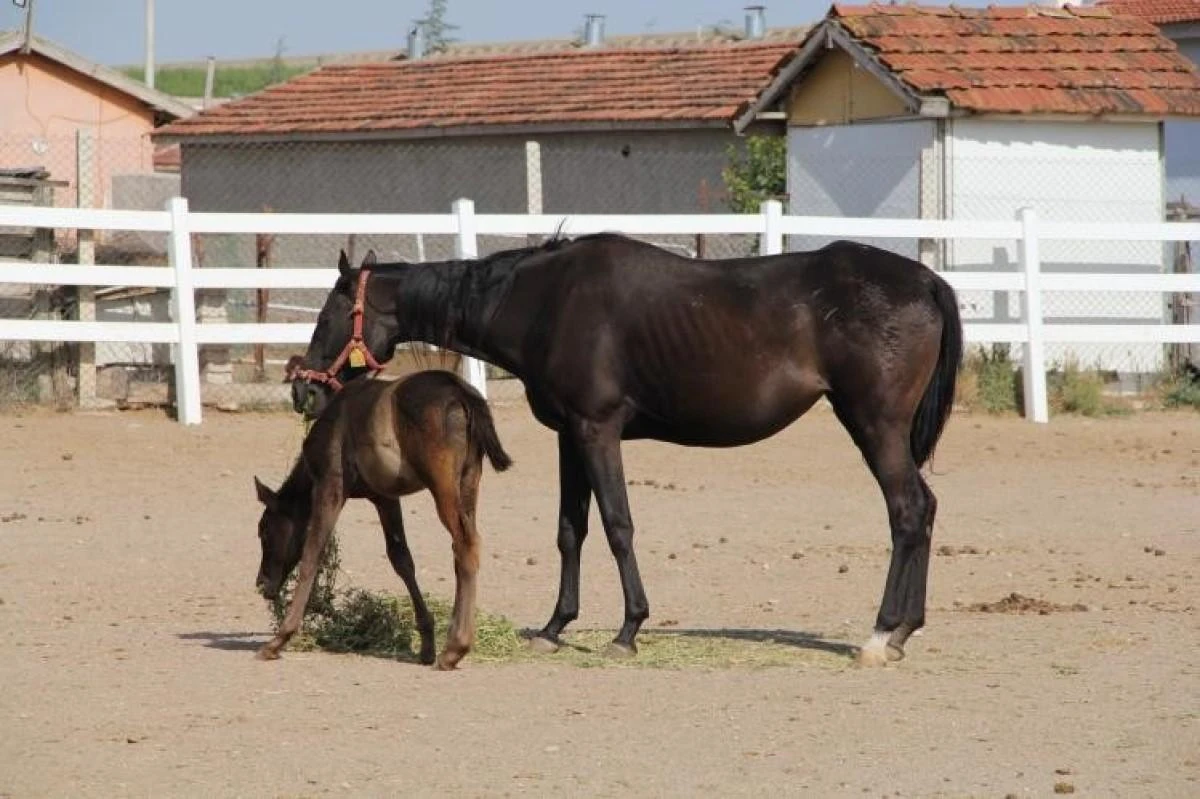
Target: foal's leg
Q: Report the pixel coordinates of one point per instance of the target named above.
(574, 498)
(328, 499)
(392, 520)
(911, 509)
(601, 448)
(460, 521)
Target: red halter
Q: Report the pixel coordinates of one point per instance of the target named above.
(355, 351)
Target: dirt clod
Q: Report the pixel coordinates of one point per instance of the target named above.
(948, 550)
(1019, 603)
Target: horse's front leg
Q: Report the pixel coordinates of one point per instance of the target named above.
(328, 499)
(575, 495)
(600, 445)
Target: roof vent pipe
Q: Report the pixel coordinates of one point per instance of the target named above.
(593, 30)
(416, 42)
(756, 22)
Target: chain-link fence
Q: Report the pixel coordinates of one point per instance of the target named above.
(602, 172)
(87, 170)
(897, 170)
(629, 174)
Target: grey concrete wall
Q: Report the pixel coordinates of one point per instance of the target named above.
(602, 172)
(636, 172)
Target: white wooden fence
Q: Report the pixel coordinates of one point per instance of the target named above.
(186, 336)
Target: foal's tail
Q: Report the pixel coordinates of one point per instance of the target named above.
(938, 400)
(482, 430)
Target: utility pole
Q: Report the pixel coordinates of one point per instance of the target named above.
(27, 39)
(149, 70)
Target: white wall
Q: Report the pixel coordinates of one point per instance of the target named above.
(864, 170)
(1102, 172)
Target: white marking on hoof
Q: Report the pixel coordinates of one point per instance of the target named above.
(875, 651)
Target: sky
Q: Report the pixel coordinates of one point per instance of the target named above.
(112, 31)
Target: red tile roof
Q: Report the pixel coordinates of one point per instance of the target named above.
(1160, 12)
(680, 85)
(1027, 59)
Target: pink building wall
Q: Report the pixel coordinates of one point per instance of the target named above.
(42, 106)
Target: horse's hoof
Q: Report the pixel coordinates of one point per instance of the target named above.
(879, 651)
(542, 645)
(446, 663)
(619, 651)
(871, 657)
(426, 658)
(267, 653)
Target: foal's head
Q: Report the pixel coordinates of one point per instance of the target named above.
(331, 360)
(280, 532)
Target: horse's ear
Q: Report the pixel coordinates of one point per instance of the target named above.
(265, 495)
(368, 259)
(344, 264)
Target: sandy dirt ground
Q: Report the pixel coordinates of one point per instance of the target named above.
(128, 622)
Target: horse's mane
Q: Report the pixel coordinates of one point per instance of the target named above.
(449, 293)
(499, 258)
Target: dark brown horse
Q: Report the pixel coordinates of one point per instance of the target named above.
(380, 440)
(616, 339)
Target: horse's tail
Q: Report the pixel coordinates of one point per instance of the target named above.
(938, 400)
(482, 430)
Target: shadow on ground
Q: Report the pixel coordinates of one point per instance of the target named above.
(790, 638)
(230, 642)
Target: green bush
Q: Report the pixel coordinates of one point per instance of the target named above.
(756, 173)
(1182, 390)
(1072, 389)
(988, 381)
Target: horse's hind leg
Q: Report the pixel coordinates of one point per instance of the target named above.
(911, 506)
(455, 503)
(392, 521)
(328, 499)
(902, 612)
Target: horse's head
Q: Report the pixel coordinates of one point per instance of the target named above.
(349, 339)
(277, 533)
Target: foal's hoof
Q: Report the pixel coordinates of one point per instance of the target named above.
(447, 662)
(542, 645)
(618, 651)
(267, 652)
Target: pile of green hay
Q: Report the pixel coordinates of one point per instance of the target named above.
(381, 624)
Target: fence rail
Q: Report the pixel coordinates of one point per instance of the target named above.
(186, 335)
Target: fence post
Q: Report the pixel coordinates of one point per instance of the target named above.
(183, 305)
(85, 182)
(1037, 407)
(466, 245)
(771, 241)
(533, 177)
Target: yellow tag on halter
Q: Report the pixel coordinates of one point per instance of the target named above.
(357, 359)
